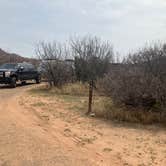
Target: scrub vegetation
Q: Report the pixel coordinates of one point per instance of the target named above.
(133, 90)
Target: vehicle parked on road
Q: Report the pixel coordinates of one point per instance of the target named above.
(10, 73)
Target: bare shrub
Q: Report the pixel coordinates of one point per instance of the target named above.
(92, 58)
(54, 67)
(140, 81)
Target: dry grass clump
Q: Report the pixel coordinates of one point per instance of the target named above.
(72, 89)
(105, 108)
(77, 94)
(75, 89)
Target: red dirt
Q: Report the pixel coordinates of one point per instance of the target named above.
(52, 135)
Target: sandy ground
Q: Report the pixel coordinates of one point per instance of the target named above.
(32, 134)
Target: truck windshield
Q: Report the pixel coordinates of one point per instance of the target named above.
(8, 66)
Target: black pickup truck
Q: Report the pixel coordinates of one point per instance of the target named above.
(10, 73)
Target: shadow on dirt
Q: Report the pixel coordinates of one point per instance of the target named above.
(18, 85)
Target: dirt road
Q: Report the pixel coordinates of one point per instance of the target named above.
(23, 142)
(28, 140)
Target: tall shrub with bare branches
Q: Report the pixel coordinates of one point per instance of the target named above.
(55, 69)
(92, 59)
(140, 80)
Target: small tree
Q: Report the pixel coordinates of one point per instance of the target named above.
(92, 59)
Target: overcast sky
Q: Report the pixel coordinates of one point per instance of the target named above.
(128, 24)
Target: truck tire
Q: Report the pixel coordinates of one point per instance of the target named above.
(23, 82)
(38, 80)
(13, 82)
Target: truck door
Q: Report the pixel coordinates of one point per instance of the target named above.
(23, 72)
(32, 72)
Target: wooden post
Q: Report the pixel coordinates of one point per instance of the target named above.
(90, 97)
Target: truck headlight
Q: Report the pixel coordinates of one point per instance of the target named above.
(7, 74)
